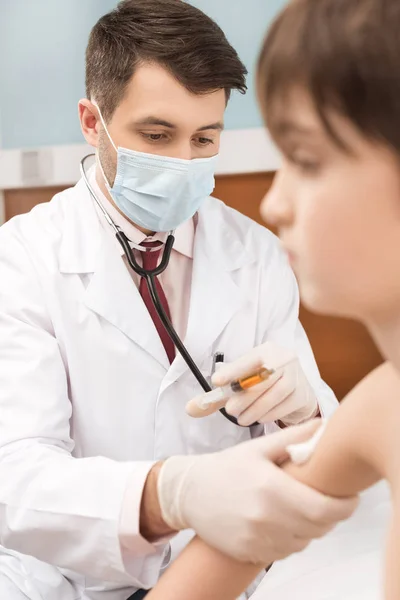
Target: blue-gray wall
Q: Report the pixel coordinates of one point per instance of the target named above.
(42, 45)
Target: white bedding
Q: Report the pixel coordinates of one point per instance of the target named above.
(345, 565)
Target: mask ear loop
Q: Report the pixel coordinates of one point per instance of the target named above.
(97, 151)
(105, 126)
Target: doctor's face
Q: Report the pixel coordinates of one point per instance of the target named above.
(158, 115)
(338, 213)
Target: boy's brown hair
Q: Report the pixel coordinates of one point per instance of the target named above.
(171, 33)
(346, 54)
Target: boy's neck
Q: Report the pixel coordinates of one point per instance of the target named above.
(386, 334)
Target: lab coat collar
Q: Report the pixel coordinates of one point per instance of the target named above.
(82, 232)
(221, 234)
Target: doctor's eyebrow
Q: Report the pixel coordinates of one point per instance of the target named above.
(218, 126)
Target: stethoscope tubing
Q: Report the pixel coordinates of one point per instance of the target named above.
(149, 278)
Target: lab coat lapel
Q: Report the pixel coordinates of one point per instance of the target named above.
(113, 295)
(88, 247)
(215, 297)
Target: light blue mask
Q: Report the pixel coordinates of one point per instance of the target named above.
(160, 193)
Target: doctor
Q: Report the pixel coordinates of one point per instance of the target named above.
(92, 393)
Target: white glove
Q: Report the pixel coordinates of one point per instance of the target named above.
(286, 395)
(239, 501)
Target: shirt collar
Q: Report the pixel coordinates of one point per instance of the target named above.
(184, 234)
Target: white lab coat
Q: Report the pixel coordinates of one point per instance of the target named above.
(87, 397)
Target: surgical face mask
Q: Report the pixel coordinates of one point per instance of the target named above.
(159, 193)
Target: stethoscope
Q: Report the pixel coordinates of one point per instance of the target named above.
(149, 276)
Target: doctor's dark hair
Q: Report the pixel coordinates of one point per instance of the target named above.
(171, 33)
(346, 55)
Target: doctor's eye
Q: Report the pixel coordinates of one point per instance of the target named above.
(203, 141)
(154, 137)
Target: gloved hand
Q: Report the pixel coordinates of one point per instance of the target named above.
(239, 501)
(286, 395)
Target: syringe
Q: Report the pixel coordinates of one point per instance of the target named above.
(234, 387)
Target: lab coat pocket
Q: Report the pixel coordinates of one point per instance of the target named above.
(214, 433)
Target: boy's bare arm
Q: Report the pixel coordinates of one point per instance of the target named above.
(360, 446)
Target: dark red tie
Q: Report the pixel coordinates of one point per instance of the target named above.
(150, 262)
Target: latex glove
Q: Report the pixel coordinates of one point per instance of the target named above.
(239, 501)
(286, 396)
